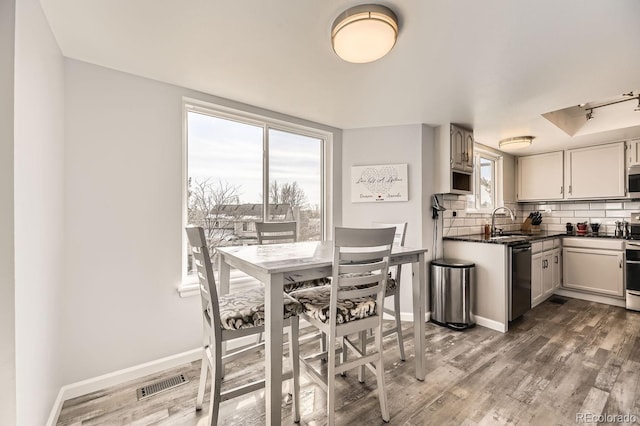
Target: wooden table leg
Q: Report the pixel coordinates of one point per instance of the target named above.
(273, 328)
(419, 281)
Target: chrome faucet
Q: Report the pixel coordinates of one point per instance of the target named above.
(493, 218)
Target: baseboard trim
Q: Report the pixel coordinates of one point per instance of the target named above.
(491, 324)
(93, 384)
(591, 297)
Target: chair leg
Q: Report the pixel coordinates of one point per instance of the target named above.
(323, 343)
(203, 380)
(396, 307)
(382, 392)
(216, 385)
(331, 381)
(343, 355)
(363, 349)
(294, 358)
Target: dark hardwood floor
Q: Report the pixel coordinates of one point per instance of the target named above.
(559, 360)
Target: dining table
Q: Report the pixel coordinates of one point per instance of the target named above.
(278, 264)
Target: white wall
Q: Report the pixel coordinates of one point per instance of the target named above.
(39, 210)
(123, 175)
(411, 144)
(7, 274)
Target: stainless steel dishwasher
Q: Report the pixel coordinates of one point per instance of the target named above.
(520, 280)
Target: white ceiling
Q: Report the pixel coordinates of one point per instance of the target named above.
(494, 65)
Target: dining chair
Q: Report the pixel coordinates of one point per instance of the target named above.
(285, 232)
(232, 316)
(353, 303)
(393, 284)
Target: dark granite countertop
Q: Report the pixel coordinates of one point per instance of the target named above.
(514, 238)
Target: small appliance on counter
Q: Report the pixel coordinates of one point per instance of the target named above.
(569, 228)
(595, 227)
(582, 228)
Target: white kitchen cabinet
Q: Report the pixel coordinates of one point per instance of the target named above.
(540, 177)
(461, 149)
(536, 279)
(454, 160)
(593, 270)
(633, 152)
(545, 266)
(595, 172)
(556, 269)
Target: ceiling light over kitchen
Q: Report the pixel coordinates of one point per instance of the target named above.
(516, 143)
(589, 114)
(364, 33)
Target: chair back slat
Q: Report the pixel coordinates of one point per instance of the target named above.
(206, 279)
(355, 268)
(398, 241)
(370, 248)
(276, 232)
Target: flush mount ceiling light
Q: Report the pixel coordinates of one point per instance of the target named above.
(517, 142)
(364, 33)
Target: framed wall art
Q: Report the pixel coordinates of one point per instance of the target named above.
(379, 183)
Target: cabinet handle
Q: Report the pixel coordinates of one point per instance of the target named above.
(561, 190)
(569, 189)
(555, 259)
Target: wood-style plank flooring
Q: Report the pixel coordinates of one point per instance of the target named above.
(557, 361)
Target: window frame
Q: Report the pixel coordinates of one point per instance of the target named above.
(498, 191)
(188, 285)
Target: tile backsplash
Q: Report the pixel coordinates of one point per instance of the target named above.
(469, 223)
(555, 215)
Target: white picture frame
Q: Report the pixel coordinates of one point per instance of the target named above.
(379, 183)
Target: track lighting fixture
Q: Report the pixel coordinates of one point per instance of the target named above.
(589, 114)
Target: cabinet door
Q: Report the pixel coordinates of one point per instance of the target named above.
(596, 171)
(547, 274)
(536, 279)
(598, 271)
(556, 268)
(633, 152)
(458, 149)
(540, 177)
(468, 136)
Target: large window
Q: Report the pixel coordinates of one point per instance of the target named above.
(244, 169)
(486, 185)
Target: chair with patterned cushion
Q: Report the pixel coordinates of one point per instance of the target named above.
(352, 304)
(393, 284)
(232, 316)
(285, 232)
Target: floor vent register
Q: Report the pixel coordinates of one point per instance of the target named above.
(161, 386)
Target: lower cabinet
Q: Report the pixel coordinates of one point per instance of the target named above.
(545, 270)
(594, 270)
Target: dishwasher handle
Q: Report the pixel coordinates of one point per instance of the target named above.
(520, 249)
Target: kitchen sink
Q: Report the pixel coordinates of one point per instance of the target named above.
(509, 238)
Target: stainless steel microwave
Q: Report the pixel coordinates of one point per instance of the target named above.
(633, 181)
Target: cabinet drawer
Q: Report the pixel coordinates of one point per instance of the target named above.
(594, 243)
(547, 245)
(536, 247)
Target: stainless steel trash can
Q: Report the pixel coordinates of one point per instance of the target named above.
(452, 293)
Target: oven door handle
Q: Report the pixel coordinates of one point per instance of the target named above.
(634, 245)
(633, 292)
(633, 262)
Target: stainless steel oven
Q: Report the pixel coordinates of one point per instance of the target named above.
(632, 263)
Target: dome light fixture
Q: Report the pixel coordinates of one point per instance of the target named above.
(364, 33)
(516, 143)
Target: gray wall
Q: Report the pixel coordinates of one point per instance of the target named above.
(7, 273)
(123, 180)
(411, 145)
(39, 213)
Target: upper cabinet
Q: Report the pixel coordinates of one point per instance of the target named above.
(595, 171)
(575, 174)
(461, 149)
(633, 152)
(454, 160)
(540, 177)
